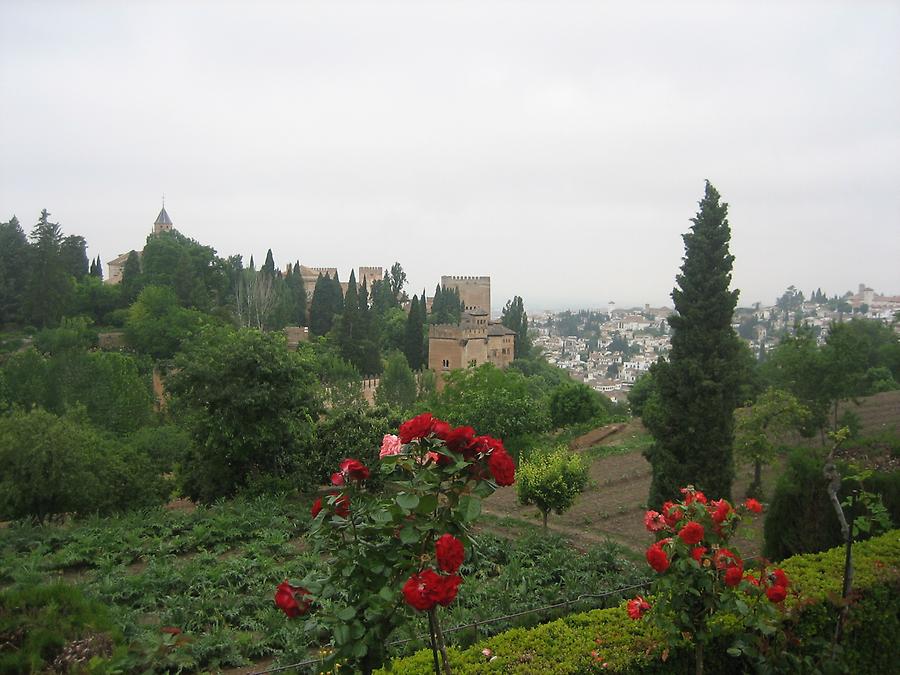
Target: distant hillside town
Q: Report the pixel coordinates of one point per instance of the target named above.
(609, 350)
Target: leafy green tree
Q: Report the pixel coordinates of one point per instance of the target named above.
(269, 265)
(413, 342)
(157, 324)
(760, 427)
(198, 277)
(551, 480)
(57, 465)
(166, 446)
(574, 403)
(28, 379)
(96, 299)
(397, 282)
(339, 379)
(699, 385)
(500, 403)
(446, 306)
(49, 288)
(397, 386)
(13, 270)
(72, 334)
(73, 256)
(348, 337)
(640, 392)
(296, 291)
(515, 318)
(322, 306)
(248, 404)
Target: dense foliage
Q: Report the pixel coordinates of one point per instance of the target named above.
(551, 480)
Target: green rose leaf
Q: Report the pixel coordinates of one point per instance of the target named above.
(409, 535)
(469, 508)
(346, 614)
(407, 501)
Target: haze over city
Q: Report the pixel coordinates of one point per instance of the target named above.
(559, 148)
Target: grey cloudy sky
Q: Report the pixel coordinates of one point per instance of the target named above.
(559, 147)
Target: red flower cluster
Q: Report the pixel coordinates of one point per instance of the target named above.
(638, 607)
(450, 553)
(654, 522)
(351, 469)
(692, 495)
(464, 441)
(341, 505)
(775, 584)
(672, 513)
(719, 510)
(692, 533)
(292, 600)
(427, 588)
(657, 558)
(753, 506)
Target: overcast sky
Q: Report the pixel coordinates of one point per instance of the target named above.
(560, 148)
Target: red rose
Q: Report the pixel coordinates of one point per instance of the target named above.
(353, 469)
(657, 558)
(440, 429)
(720, 511)
(316, 507)
(733, 575)
(416, 593)
(292, 600)
(692, 495)
(638, 607)
(417, 427)
(446, 589)
(337, 479)
(341, 504)
(779, 578)
(459, 438)
(672, 513)
(502, 467)
(450, 553)
(724, 558)
(692, 533)
(654, 522)
(753, 505)
(698, 552)
(752, 579)
(776, 593)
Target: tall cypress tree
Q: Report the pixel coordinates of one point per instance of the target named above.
(697, 388)
(412, 344)
(268, 266)
(320, 314)
(131, 277)
(348, 335)
(13, 270)
(515, 318)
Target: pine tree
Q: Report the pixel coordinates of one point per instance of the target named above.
(13, 270)
(413, 345)
(693, 426)
(49, 285)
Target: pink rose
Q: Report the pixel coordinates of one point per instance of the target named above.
(390, 445)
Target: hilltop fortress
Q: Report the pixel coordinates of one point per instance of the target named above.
(475, 339)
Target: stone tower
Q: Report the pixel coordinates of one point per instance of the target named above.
(475, 292)
(163, 222)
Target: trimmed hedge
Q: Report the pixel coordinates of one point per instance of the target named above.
(564, 646)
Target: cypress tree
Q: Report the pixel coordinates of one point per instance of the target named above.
(412, 345)
(515, 318)
(268, 266)
(320, 316)
(131, 277)
(348, 335)
(693, 425)
(13, 270)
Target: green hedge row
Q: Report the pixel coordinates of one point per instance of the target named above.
(626, 646)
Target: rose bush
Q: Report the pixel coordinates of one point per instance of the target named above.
(700, 579)
(398, 550)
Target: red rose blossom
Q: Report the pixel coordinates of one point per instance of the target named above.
(459, 438)
(733, 575)
(450, 553)
(692, 495)
(753, 505)
(725, 558)
(698, 552)
(657, 558)
(353, 469)
(337, 479)
(692, 533)
(720, 510)
(654, 522)
(417, 427)
(638, 607)
(672, 513)
(416, 593)
(341, 505)
(502, 467)
(316, 507)
(776, 593)
(292, 600)
(780, 578)
(440, 429)
(447, 588)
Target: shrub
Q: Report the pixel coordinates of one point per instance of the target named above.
(800, 517)
(626, 646)
(39, 621)
(55, 465)
(165, 446)
(551, 480)
(574, 403)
